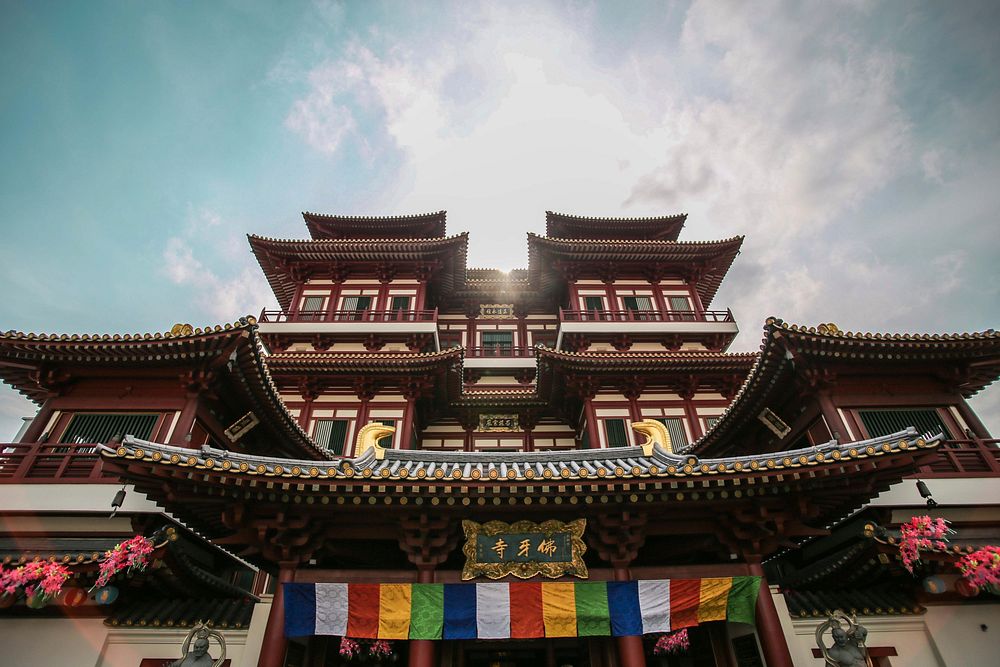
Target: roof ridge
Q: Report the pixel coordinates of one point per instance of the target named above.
(178, 331)
(830, 330)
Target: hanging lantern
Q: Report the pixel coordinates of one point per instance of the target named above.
(966, 589)
(74, 597)
(935, 585)
(106, 595)
(36, 601)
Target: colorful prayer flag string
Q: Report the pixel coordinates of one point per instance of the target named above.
(519, 610)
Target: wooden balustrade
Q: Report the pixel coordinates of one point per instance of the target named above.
(505, 351)
(645, 316)
(25, 463)
(327, 316)
(965, 458)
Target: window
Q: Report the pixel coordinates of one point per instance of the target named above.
(887, 422)
(388, 441)
(711, 421)
(675, 427)
(87, 428)
(400, 303)
(313, 303)
(638, 306)
(679, 303)
(498, 343)
(357, 304)
(331, 434)
(615, 430)
(593, 302)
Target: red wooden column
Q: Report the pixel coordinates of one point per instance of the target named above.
(772, 637)
(832, 417)
(422, 650)
(617, 537)
(427, 540)
(38, 424)
(185, 421)
(272, 650)
(972, 419)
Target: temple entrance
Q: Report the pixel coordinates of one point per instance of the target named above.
(529, 653)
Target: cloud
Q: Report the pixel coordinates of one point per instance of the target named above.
(785, 123)
(239, 290)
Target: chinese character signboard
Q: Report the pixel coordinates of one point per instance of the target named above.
(524, 549)
(502, 423)
(496, 311)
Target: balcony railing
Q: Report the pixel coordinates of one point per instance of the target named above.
(965, 458)
(36, 462)
(645, 316)
(349, 316)
(502, 351)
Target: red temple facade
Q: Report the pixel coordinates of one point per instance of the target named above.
(397, 394)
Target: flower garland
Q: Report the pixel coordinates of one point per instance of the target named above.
(50, 578)
(921, 532)
(981, 568)
(378, 649)
(131, 555)
(675, 642)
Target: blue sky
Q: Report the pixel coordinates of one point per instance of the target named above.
(855, 144)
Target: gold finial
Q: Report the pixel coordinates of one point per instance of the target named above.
(828, 328)
(180, 329)
(369, 436)
(656, 434)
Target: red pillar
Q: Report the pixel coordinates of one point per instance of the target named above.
(630, 651)
(832, 417)
(38, 424)
(185, 422)
(772, 637)
(422, 650)
(972, 419)
(591, 416)
(272, 650)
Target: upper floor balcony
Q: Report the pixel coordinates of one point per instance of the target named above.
(350, 324)
(714, 328)
(48, 462)
(499, 356)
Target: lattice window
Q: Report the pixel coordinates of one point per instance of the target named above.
(675, 427)
(615, 430)
(679, 303)
(887, 422)
(97, 427)
(331, 434)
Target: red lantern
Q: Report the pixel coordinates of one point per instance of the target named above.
(74, 597)
(966, 589)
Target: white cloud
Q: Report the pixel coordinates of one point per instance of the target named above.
(239, 290)
(766, 119)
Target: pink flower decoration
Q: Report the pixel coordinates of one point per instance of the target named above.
(132, 555)
(675, 642)
(920, 534)
(348, 648)
(981, 568)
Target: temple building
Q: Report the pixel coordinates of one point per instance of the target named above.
(424, 462)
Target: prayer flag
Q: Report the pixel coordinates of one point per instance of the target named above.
(526, 620)
(427, 611)
(493, 611)
(592, 616)
(559, 609)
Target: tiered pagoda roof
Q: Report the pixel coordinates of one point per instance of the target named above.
(650, 473)
(707, 261)
(36, 364)
(419, 226)
(286, 261)
(971, 361)
(652, 228)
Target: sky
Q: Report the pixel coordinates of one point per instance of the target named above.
(855, 144)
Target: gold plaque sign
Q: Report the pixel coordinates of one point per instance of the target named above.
(498, 423)
(496, 311)
(525, 549)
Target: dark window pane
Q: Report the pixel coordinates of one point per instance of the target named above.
(331, 434)
(87, 428)
(675, 427)
(593, 302)
(615, 429)
(400, 303)
(388, 441)
(497, 342)
(887, 422)
(680, 303)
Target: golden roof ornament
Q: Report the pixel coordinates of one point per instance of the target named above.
(828, 329)
(181, 329)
